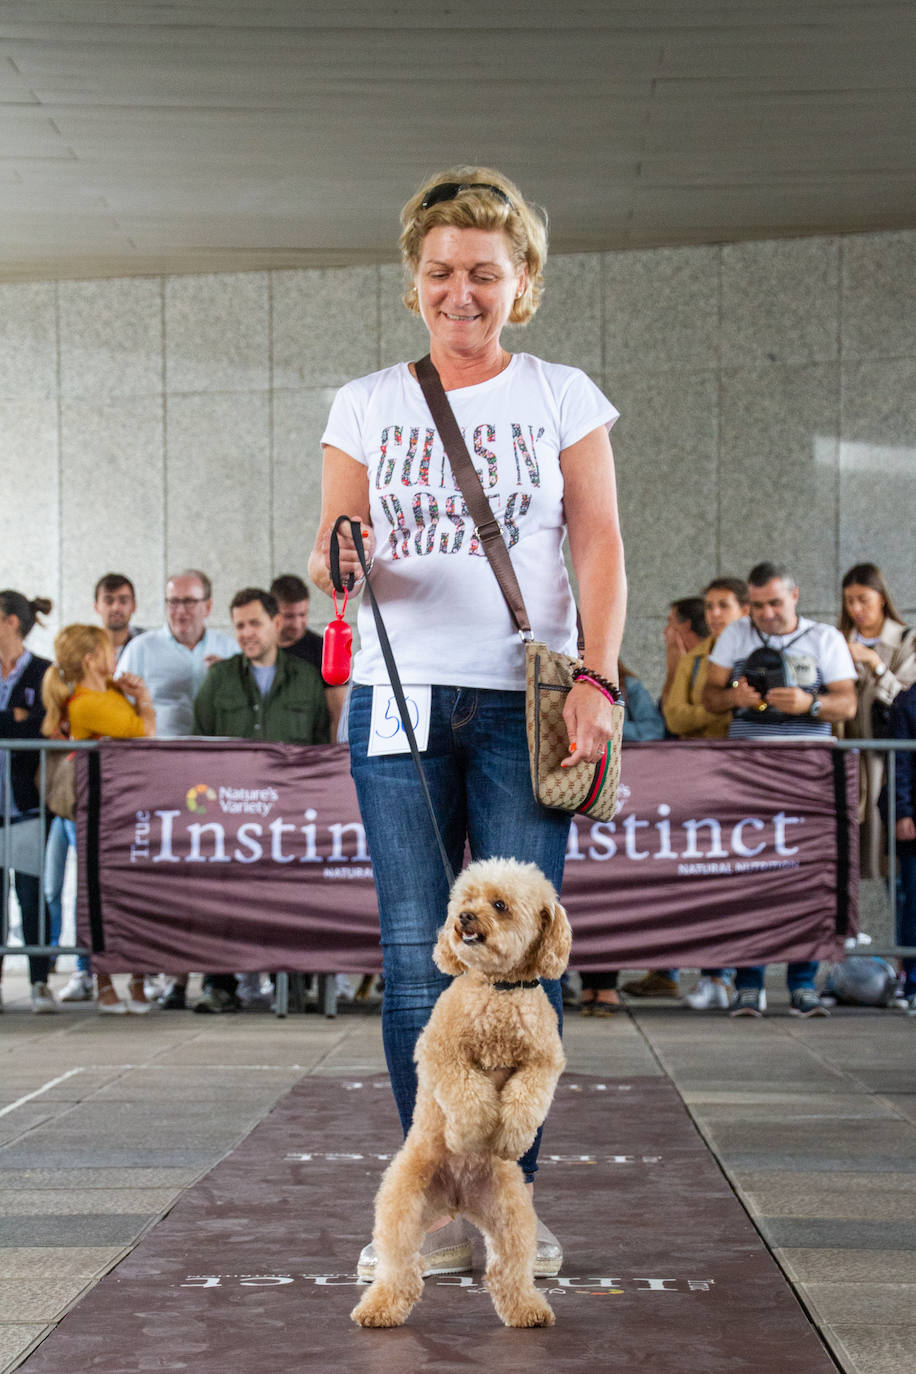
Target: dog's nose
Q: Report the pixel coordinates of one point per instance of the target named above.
(465, 917)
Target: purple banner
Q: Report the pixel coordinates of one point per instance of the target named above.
(230, 856)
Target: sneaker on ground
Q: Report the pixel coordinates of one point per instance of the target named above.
(116, 1008)
(78, 989)
(911, 1005)
(42, 1000)
(653, 984)
(548, 1255)
(446, 1251)
(709, 992)
(174, 998)
(249, 990)
(748, 1002)
(805, 1002)
(216, 1000)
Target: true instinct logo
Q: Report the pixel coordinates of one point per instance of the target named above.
(167, 837)
(704, 845)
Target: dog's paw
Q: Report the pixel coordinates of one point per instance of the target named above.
(535, 1312)
(510, 1141)
(381, 1308)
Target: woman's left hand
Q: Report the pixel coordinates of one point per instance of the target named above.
(589, 722)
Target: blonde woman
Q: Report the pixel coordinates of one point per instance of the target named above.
(82, 701)
(473, 251)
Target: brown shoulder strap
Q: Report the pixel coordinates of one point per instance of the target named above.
(471, 489)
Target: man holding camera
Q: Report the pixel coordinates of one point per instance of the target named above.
(783, 677)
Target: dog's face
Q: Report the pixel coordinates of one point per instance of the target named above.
(504, 920)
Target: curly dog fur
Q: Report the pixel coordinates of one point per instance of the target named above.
(487, 1066)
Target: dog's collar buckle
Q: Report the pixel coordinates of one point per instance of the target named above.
(510, 987)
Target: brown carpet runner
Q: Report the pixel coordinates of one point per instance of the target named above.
(254, 1268)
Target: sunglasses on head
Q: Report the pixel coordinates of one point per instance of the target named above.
(448, 190)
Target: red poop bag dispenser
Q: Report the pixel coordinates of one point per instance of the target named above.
(337, 648)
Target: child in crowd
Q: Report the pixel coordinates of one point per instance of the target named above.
(82, 701)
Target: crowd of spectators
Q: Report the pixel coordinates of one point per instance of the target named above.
(740, 662)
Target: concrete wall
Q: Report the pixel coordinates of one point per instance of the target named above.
(767, 393)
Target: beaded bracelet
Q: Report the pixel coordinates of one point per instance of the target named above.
(609, 689)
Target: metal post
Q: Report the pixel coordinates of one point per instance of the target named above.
(892, 841)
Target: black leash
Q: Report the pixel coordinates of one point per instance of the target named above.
(388, 656)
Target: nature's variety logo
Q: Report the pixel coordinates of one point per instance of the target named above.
(198, 796)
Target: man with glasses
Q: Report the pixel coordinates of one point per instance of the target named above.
(174, 659)
(173, 662)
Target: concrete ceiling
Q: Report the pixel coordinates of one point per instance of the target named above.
(225, 135)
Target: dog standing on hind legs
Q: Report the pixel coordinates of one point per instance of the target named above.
(487, 1066)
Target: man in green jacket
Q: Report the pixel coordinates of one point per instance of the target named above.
(261, 693)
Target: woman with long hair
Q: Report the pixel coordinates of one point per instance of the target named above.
(884, 652)
(83, 701)
(21, 713)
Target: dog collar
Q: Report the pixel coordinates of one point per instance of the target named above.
(510, 987)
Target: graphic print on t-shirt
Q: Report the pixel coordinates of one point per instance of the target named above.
(419, 496)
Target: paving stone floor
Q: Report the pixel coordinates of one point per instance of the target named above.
(104, 1122)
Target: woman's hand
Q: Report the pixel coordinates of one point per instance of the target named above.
(589, 719)
(905, 829)
(349, 560)
(861, 653)
(133, 686)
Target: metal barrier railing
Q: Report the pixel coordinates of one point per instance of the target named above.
(28, 846)
(23, 840)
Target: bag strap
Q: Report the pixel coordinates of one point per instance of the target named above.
(485, 522)
(393, 674)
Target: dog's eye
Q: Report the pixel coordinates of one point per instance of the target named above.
(499, 905)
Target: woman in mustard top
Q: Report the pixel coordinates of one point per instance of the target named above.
(82, 701)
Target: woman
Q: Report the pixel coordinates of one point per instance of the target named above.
(724, 600)
(21, 715)
(474, 254)
(82, 701)
(884, 652)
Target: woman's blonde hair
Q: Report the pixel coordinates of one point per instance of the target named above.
(475, 207)
(71, 645)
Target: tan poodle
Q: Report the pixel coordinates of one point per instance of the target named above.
(487, 1065)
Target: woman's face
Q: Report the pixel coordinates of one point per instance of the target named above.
(865, 608)
(722, 607)
(10, 634)
(466, 286)
(101, 661)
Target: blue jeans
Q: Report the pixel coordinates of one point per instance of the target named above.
(477, 770)
(906, 934)
(61, 837)
(801, 975)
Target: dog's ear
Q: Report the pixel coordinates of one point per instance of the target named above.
(556, 942)
(444, 956)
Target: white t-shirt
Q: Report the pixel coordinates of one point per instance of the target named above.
(818, 654)
(443, 610)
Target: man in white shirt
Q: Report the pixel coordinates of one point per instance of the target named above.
(817, 687)
(173, 660)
